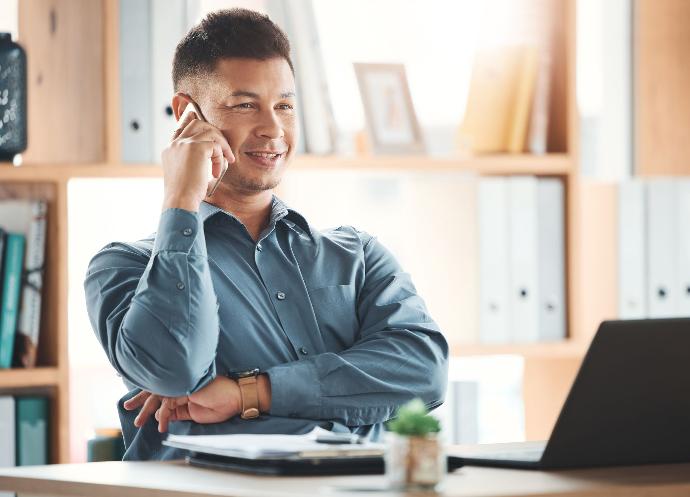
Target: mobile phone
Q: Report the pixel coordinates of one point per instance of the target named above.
(338, 438)
(193, 107)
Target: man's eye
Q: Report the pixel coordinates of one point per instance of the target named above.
(286, 106)
(245, 105)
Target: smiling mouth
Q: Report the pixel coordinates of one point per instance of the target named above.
(265, 159)
(265, 155)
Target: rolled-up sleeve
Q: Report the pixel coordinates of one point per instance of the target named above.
(156, 313)
(400, 354)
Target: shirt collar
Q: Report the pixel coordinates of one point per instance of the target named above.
(279, 212)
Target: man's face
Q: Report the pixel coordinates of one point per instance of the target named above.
(253, 104)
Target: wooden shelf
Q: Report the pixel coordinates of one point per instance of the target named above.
(33, 377)
(566, 348)
(63, 172)
(545, 165)
(549, 164)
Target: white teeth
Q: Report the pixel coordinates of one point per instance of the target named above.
(260, 154)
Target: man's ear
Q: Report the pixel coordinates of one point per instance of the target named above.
(179, 103)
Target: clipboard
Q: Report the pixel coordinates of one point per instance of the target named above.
(289, 467)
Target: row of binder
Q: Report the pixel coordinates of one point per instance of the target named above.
(654, 248)
(149, 33)
(522, 259)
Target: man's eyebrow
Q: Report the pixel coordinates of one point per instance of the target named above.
(251, 94)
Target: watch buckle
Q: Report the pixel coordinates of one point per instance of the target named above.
(250, 413)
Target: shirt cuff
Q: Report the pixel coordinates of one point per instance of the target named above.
(295, 390)
(180, 230)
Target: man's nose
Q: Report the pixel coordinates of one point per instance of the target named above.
(270, 126)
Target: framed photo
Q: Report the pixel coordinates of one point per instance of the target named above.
(391, 120)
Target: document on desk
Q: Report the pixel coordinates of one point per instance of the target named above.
(272, 446)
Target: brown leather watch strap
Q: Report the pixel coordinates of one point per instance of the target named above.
(250, 397)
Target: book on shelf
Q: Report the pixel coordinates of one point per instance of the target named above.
(29, 325)
(500, 100)
(537, 135)
(28, 218)
(23, 431)
(524, 96)
(31, 430)
(7, 430)
(12, 264)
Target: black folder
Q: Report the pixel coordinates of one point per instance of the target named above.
(299, 466)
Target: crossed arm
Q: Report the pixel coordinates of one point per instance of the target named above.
(217, 402)
(164, 342)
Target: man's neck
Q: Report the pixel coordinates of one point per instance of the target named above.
(253, 210)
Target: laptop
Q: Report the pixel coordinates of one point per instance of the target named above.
(629, 404)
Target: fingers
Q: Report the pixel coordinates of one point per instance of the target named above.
(192, 124)
(150, 405)
(188, 115)
(218, 160)
(206, 132)
(164, 413)
(171, 409)
(137, 401)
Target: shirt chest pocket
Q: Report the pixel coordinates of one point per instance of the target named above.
(336, 313)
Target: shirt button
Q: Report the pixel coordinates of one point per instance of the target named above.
(180, 285)
(303, 351)
(280, 296)
(187, 231)
(259, 247)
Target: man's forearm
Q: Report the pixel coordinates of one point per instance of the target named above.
(157, 336)
(366, 383)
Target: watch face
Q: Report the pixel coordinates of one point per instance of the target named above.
(243, 374)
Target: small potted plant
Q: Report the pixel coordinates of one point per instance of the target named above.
(415, 459)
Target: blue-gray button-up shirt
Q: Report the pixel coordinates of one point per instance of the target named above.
(330, 316)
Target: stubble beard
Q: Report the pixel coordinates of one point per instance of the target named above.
(243, 183)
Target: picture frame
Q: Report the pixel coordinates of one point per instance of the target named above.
(392, 125)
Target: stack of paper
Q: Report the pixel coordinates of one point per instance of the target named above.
(271, 446)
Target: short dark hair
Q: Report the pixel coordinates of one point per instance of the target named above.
(227, 33)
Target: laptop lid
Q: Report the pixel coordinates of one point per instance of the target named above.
(630, 401)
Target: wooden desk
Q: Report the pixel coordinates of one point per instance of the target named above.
(139, 479)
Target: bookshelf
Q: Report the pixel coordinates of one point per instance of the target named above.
(94, 140)
(504, 164)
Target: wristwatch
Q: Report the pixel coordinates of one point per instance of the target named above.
(248, 391)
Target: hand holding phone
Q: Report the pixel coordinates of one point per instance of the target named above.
(198, 155)
(193, 108)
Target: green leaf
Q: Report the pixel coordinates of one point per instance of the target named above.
(413, 419)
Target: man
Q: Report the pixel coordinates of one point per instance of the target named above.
(237, 316)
